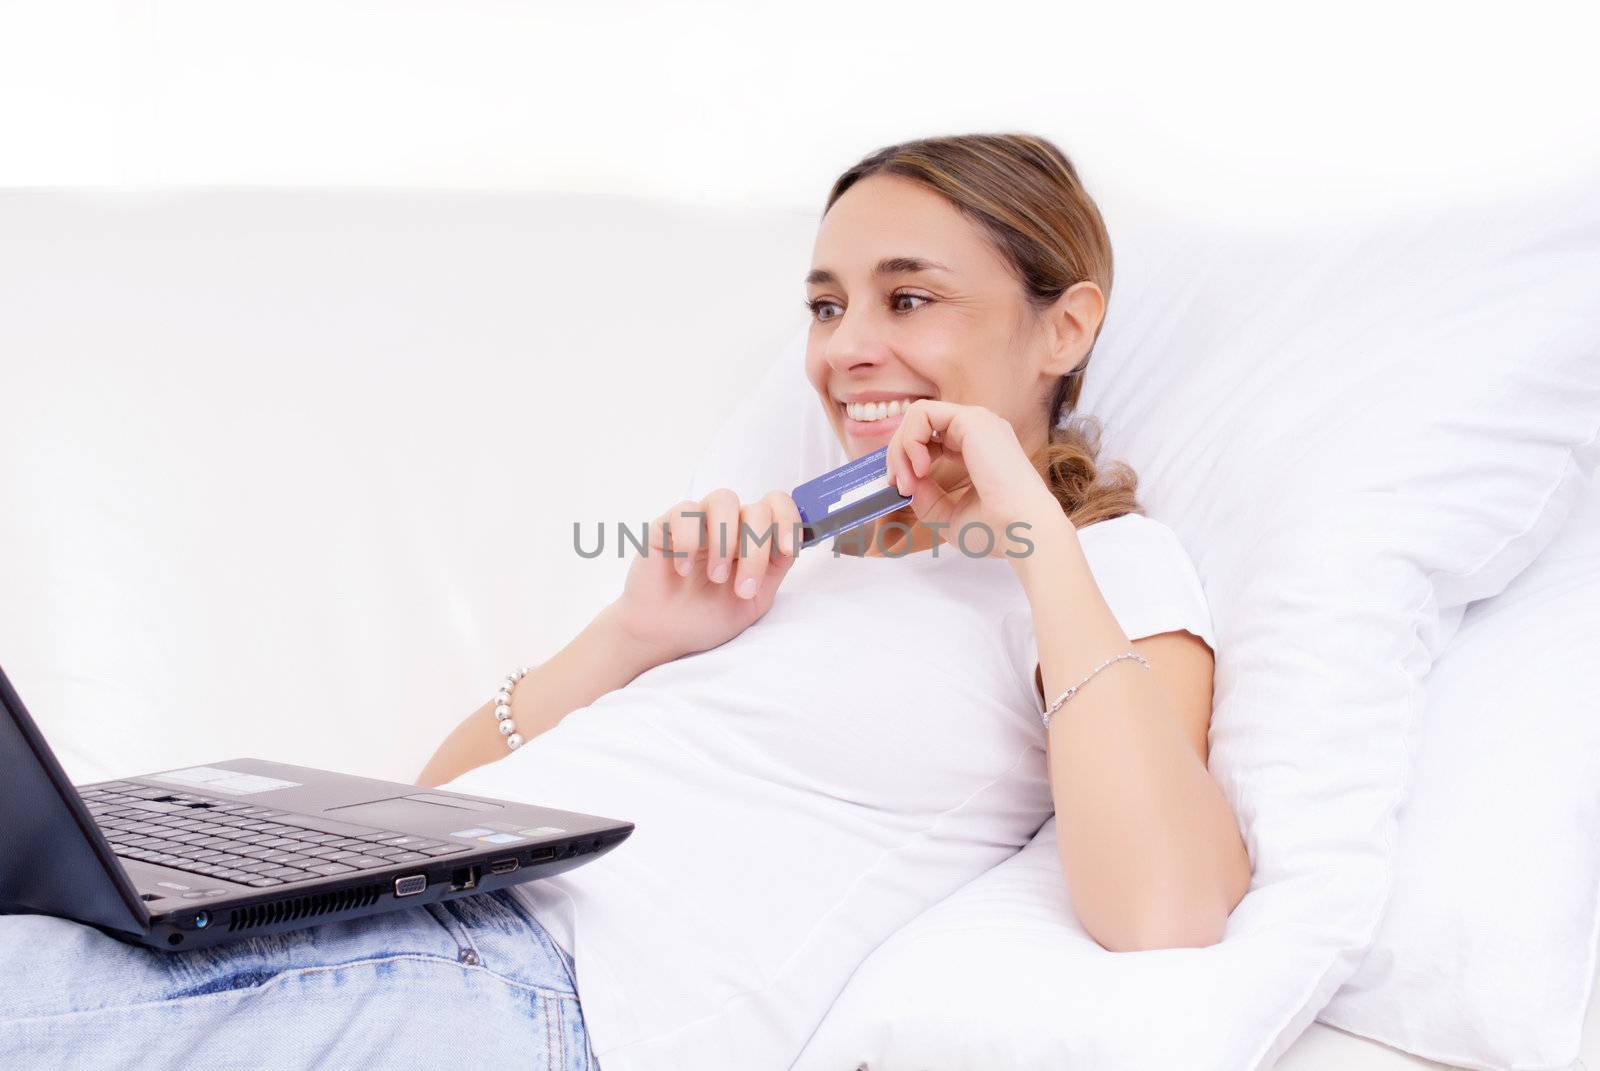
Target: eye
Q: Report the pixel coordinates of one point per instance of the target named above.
(902, 295)
(817, 305)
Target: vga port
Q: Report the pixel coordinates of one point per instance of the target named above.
(410, 885)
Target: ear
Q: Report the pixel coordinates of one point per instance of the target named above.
(1071, 323)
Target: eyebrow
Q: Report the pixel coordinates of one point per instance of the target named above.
(886, 266)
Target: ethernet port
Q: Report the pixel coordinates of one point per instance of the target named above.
(465, 877)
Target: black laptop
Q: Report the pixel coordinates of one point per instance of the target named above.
(207, 854)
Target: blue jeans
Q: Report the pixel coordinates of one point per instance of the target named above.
(474, 982)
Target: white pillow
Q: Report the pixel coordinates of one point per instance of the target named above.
(1486, 953)
(1355, 429)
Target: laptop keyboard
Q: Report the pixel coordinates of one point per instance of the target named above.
(242, 843)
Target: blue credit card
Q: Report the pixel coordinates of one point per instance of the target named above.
(848, 497)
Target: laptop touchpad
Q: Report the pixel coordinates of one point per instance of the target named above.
(407, 810)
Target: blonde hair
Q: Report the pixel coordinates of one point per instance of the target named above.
(1026, 195)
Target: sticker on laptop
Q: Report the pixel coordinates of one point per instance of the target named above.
(472, 834)
(541, 831)
(229, 781)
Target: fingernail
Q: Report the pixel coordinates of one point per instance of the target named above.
(747, 587)
(682, 565)
(719, 572)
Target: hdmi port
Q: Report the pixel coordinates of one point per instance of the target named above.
(503, 866)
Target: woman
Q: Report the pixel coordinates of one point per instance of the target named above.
(806, 773)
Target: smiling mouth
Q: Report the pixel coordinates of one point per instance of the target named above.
(872, 412)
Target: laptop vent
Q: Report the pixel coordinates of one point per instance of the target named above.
(302, 907)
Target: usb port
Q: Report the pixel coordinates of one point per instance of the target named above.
(541, 854)
(503, 866)
(410, 885)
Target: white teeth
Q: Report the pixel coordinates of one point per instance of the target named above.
(876, 410)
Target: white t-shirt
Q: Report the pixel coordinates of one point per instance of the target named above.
(805, 789)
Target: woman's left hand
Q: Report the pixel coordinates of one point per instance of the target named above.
(1001, 488)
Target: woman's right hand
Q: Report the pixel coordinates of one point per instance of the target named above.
(716, 584)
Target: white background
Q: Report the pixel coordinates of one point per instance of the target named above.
(1238, 107)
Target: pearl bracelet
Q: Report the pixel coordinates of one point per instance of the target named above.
(1070, 692)
(502, 708)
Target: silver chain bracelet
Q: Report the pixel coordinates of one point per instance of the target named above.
(502, 708)
(1049, 711)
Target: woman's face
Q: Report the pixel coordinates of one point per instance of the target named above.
(910, 299)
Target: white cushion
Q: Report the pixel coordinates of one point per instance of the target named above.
(1355, 428)
(1486, 954)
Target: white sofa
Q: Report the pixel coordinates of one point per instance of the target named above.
(294, 474)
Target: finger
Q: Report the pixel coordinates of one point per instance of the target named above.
(936, 424)
(933, 504)
(722, 532)
(660, 526)
(775, 573)
(894, 459)
(686, 529)
(906, 453)
(754, 549)
(670, 535)
(913, 450)
(785, 520)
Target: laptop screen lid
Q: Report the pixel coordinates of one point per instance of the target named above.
(53, 858)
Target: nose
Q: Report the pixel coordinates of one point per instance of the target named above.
(855, 347)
